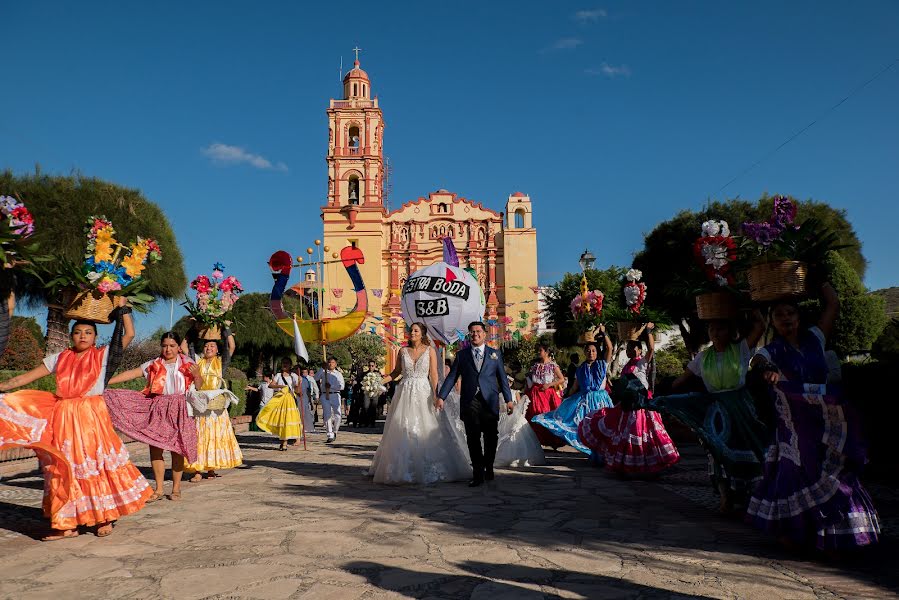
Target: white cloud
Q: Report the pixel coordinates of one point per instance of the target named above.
(611, 71)
(590, 16)
(569, 43)
(224, 154)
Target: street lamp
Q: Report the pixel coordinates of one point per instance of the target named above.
(587, 260)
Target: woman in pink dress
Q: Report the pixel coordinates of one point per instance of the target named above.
(543, 380)
(158, 415)
(631, 440)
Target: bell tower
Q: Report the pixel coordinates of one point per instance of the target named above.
(355, 148)
(354, 212)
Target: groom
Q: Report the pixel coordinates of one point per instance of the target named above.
(483, 381)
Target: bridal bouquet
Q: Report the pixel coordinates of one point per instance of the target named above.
(371, 384)
(215, 298)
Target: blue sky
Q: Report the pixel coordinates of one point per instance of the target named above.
(620, 113)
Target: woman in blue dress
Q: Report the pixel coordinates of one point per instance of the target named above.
(587, 395)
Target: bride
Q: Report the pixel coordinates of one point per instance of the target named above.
(413, 448)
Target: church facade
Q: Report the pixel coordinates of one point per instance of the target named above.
(501, 247)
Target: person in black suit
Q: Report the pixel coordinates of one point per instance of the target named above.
(483, 384)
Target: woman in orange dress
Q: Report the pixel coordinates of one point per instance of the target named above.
(88, 476)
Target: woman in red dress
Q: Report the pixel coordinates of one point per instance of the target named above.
(544, 378)
(88, 475)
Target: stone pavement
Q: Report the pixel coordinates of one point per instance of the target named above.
(308, 524)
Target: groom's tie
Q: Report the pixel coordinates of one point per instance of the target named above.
(478, 358)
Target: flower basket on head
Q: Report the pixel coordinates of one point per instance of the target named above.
(109, 269)
(212, 332)
(777, 280)
(215, 299)
(781, 252)
(713, 306)
(629, 330)
(88, 305)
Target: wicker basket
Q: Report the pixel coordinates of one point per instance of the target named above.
(716, 305)
(629, 330)
(776, 280)
(89, 305)
(210, 333)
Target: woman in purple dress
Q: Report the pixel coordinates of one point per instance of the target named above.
(810, 491)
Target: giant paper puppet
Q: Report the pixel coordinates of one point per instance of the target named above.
(444, 297)
(318, 331)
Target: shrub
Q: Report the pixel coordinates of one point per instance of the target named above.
(23, 352)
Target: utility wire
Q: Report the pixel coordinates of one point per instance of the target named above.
(809, 126)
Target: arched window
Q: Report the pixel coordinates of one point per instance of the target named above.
(442, 208)
(355, 89)
(442, 230)
(519, 218)
(354, 194)
(451, 231)
(353, 139)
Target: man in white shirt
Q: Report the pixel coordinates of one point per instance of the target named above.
(332, 383)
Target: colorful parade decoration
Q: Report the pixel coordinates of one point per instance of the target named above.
(321, 330)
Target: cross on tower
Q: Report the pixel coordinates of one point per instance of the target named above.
(357, 50)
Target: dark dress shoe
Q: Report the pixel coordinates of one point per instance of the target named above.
(475, 482)
(488, 475)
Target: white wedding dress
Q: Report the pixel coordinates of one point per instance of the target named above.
(414, 448)
(517, 445)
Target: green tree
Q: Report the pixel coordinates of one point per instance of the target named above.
(886, 347)
(256, 334)
(560, 295)
(61, 206)
(862, 315)
(667, 257)
(23, 351)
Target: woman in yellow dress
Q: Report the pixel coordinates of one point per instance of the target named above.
(280, 416)
(217, 446)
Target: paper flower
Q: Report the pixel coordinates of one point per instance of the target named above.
(633, 275)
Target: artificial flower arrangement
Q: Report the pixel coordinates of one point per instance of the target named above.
(16, 227)
(779, 251)
(715, 251)
(109, 269)
(216, 296)
(371, 384)
(633, 313)
(781, 237)
(586, 308)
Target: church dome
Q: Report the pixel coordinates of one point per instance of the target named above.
(519, 195)
(356, 73)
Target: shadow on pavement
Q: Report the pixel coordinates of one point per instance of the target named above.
(485, 582)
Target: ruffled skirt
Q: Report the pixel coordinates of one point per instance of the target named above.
(563, 422)
(518, 445)
(160, 421)
(543, 401)
(732, 434)
(88, 475)
(810, 488)
(630, 441)
(281, 417)
(217, 446)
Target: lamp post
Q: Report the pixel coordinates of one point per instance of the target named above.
(586, 262)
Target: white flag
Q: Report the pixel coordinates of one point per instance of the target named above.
(299, 347)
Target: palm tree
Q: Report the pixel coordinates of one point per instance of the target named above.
(61, 206)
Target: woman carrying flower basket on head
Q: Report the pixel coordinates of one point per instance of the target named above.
(89, 479)
(543, 380)
(217, 446)
(631, 440)
(208, 400)
(588, 393)
(810, 492)
(158, 415)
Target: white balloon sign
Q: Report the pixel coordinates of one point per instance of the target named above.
(445, 298)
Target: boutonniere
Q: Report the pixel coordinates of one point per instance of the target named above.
(493, 355)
